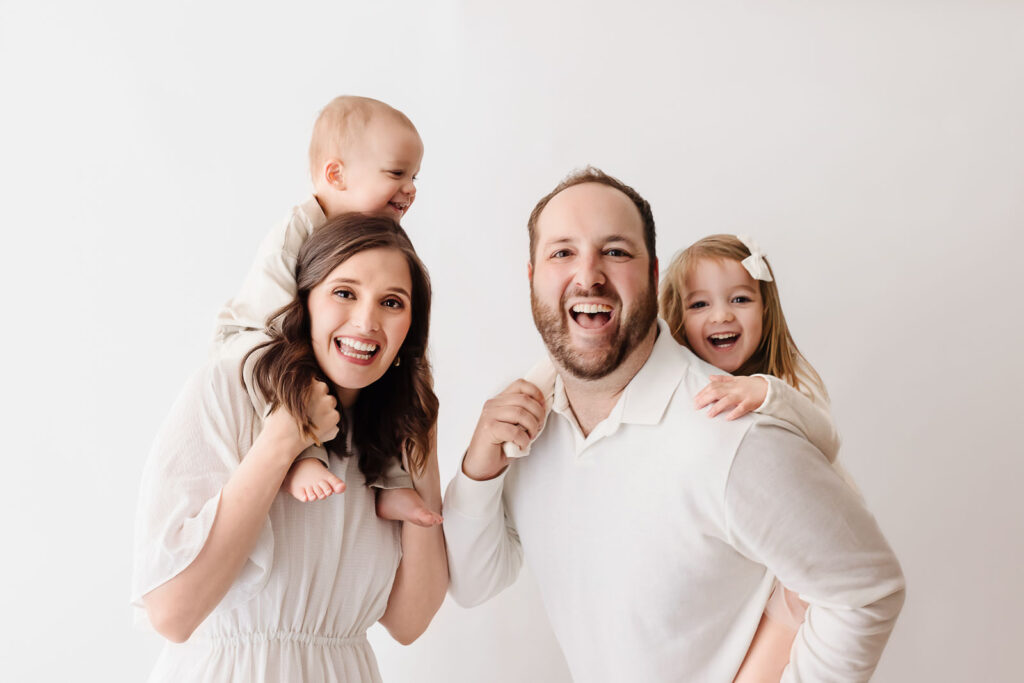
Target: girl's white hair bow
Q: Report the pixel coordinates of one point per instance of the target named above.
(755, 263)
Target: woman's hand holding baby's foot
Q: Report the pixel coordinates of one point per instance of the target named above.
(405, 505)
(309, 480)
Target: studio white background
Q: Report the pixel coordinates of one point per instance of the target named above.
(874, 149)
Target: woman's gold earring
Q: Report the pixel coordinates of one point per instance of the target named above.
(398, 361)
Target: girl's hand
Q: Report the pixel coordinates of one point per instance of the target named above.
(742, 394)
(322, 408)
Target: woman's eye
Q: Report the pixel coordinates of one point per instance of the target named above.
(344, 294)
(393, 303)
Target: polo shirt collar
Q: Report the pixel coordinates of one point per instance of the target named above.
(648, 394)
(645, 398)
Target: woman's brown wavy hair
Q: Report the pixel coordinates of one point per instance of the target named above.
(396, 415)
(777, 353)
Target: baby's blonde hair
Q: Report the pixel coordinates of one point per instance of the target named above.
(339, 122)
(776, 354)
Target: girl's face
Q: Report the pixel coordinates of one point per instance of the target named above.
(722, 312)
(359, 316)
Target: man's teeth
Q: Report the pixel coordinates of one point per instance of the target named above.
(352, 347)
(591, 308)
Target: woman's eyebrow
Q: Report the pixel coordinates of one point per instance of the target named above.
(351, 281)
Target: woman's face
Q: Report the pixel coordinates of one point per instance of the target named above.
(359, 316)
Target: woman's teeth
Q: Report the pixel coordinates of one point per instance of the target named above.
(355, 348)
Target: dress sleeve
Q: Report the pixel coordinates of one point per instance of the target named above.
(194, 454)
(787, 509)
(394, 477)
(811, 418)
(484, 552)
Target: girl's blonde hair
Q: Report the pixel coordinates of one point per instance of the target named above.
(777, 353)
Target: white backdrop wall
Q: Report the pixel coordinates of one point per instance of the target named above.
(874, 149)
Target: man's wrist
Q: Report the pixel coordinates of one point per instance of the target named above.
(472, 469)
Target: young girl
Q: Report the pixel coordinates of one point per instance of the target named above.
(720, 300)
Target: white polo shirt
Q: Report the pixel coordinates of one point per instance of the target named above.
(655, 539)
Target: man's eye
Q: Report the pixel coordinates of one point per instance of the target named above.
(561, 253)
(617, 252)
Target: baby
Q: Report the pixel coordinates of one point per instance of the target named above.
(364, 156)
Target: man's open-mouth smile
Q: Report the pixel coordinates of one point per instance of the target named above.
(592, 316)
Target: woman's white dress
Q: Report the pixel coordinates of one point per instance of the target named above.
(318, 578)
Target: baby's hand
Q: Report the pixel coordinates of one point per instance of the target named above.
(742, 394)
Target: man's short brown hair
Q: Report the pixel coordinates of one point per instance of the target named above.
(596, 175)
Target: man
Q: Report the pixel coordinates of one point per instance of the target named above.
(654, 533)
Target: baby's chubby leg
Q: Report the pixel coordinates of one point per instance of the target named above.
(309, 479)
(405, 505)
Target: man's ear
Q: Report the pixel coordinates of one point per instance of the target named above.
(657, 275)
(529, 271)
(334, 174)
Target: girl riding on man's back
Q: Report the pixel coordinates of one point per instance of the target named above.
(720, 299)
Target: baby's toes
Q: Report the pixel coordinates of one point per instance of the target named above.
(336, 484)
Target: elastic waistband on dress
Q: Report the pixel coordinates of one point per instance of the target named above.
(319, 640)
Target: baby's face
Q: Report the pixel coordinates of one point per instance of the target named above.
(379, 170)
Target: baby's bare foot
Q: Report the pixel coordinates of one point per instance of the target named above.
(405, 505)
(309, 480)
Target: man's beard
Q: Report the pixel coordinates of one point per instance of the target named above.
(633, 328)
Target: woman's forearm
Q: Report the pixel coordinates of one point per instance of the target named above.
(422, 578)
(178, 606)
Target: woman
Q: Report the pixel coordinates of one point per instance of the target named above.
(256, 586)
